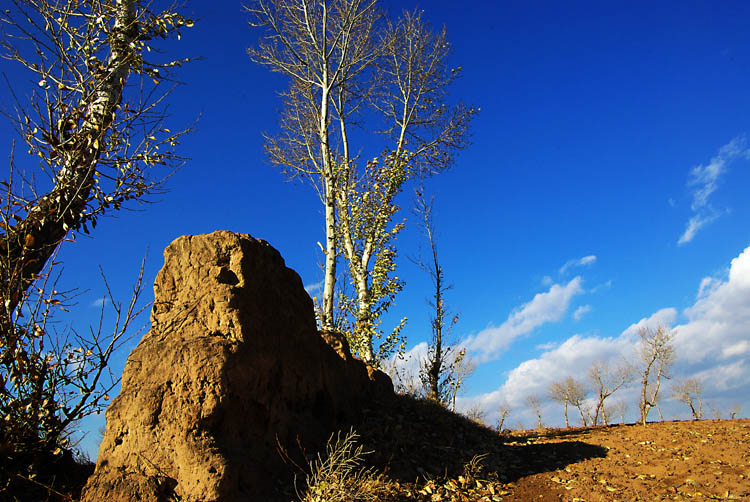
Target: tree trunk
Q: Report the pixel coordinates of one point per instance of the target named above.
(583, 417)
(32, 242)
(329, 179)
(329, 283)
(645, 405)
(364, 318)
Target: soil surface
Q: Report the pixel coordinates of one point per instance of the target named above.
(432, 455)
(701, 460)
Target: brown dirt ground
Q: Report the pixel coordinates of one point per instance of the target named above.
(421, 452)
(424, 452)
(703, 460)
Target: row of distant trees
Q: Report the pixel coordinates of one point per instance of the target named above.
(590, 397)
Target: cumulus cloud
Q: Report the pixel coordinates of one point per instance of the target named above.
(534, 376)
(719, 321)
(544, 308)
(711, 344)
(704, 180)
(580, 262)
(661, 318)
(581, 311)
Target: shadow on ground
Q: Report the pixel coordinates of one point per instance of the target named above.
(413, 439)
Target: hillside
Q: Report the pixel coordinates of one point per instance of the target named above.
(432, 455)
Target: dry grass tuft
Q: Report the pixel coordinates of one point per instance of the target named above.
(340, 476)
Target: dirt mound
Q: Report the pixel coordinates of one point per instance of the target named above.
(232, 367)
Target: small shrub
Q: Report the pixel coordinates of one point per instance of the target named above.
(340, 476)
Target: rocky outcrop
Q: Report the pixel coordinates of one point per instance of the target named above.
(232, 369)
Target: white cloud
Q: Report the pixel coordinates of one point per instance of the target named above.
(602, 286)
(99, 302)
(705, 180)
(696, 223)
(663, 317)
(581, 311)
(314, 288)
(580, 262)
(546, 307)
(712, 344)
(534, 376)
(719, 320)
(404, 371)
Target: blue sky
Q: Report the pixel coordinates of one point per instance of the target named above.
(604, 131)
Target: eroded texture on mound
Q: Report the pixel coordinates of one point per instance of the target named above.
(232, 367)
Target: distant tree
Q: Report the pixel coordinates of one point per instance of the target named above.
(568, 392)
(94, 123)
(577, 397)
(734, 411)
(405, 380)
(439, 368)
(347, 64)
(463, 368)
(535, 405)
(504, 411)
(619, 409)
(476, 414)
(690, 392)
(656, 352)
(605, 382)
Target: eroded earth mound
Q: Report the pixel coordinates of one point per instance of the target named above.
(232, 368)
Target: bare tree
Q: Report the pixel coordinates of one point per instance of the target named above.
(606, 382)
(504, 411)
(438, 369)
(94, 122)
(405, 381)
(619, 409)
(347, 64)
(535, 404)
(557, 392)
(689, 391)
(734, 411)
(476, 414)
(657, 355)
(463, 368)
(568, 392)
(576, 392)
